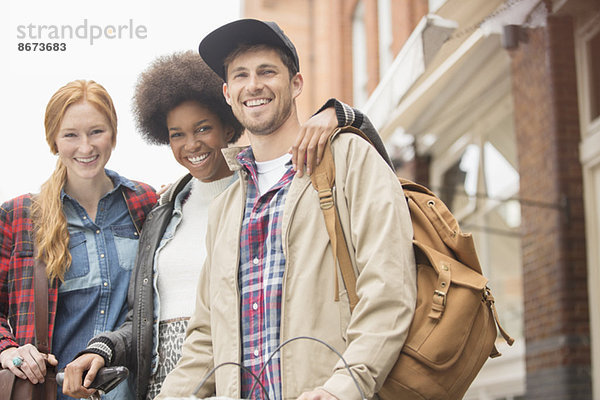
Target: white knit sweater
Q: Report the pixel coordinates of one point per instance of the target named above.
(180, 260)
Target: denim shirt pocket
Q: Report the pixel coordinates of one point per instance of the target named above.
(126, 243)
(80, 264)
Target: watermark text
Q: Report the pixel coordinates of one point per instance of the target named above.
(90, 32)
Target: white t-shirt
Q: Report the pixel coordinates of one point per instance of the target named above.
(270, 172)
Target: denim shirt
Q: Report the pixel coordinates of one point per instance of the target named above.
(93, 296)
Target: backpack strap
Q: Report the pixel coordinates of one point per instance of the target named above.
(489, 299)
(323, 180)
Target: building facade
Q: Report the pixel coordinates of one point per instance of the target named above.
(495, 104)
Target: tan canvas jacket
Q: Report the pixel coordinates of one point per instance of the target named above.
(377, 226)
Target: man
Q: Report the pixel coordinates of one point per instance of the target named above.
(270, 275)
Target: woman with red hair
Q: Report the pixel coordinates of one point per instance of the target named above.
(85, 224)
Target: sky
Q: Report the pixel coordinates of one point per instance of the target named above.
(108, 41)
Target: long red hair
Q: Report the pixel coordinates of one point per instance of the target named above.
(49, 220)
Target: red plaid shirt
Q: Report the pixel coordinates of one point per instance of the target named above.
(16, 265)
(262, 266)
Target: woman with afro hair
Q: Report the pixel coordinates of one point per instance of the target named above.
(179, 101)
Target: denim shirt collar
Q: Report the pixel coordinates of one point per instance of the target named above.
(179, 200)
(116, 179)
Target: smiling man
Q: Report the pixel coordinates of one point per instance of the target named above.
(270, 274)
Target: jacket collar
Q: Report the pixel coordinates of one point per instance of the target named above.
(230, 154)
(174, 189)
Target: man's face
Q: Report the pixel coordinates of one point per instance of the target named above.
(260, 91)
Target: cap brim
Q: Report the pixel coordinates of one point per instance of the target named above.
(218, 44)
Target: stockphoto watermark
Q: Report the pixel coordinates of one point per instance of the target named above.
(35, 37)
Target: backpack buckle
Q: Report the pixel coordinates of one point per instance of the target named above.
(442, 295)
(325, 198)
(438, 305)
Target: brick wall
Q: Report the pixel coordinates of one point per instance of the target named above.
(554, 265)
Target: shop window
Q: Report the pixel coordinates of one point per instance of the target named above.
(435, 4)
(384, 22)
(460, 181)
(594, 71)
(500, 175)
(359, 56)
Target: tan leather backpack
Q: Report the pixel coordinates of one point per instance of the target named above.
(453, 331)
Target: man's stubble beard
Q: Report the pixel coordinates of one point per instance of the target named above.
(266, 127)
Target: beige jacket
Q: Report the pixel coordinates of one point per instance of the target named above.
(377, 225)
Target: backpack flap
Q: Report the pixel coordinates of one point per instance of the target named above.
(461, 274)
(433, 221)
(448, 311)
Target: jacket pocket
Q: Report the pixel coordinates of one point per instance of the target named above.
(126, 243)
(80, 264)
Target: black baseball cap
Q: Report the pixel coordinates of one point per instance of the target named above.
(218, 44)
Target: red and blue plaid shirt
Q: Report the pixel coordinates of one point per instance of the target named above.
(262, 266)
(16, 265)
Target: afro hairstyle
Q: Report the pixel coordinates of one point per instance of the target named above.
(171, 80)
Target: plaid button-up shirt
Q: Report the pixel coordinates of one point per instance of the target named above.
(16, 265)
(262, 266)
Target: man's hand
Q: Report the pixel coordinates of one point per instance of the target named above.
(32, 363)
(318, 394)
(72, 385)
(311, 140)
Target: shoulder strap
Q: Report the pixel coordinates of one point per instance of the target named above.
(323, 180)
(40, 294)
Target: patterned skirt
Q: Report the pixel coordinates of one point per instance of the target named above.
(171, 334)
